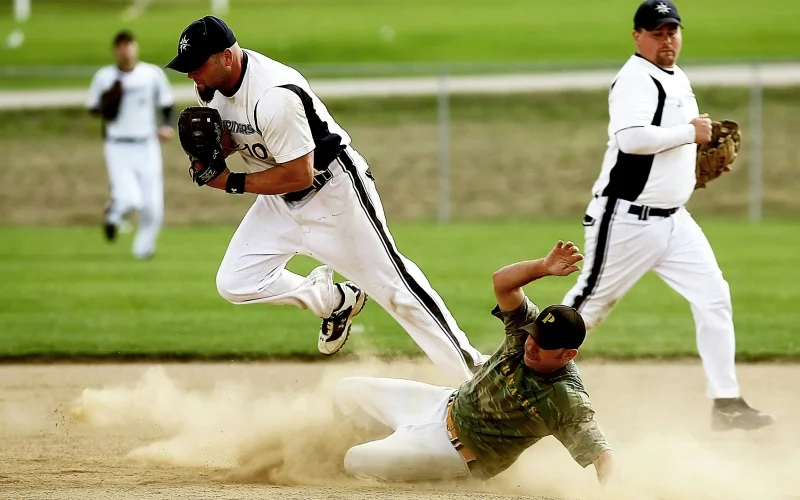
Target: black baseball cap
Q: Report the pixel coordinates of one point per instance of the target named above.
(199, 41)
(558, 327)
(654, 13)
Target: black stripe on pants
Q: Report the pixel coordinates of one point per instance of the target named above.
(417, 290)
(600, 250)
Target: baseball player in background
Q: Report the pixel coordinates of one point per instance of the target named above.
(317, 197)
(529, 388)
(637, 221)
(126, 96)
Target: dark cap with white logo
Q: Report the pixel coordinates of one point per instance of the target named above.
(199, 41)
(654, 13)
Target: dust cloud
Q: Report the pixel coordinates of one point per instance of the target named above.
(264, 431)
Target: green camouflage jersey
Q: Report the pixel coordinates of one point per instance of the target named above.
(507, 407)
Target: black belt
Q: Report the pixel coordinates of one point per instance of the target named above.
(320, 179)
(128, 140)
(644, 212)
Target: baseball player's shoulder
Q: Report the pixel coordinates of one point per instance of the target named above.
(632, 72)
(679, 72)
(569, 390)
(275, 69)
(523, 315)
(108, 72)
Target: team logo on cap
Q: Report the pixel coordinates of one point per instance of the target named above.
(549, 318)
(183, 44)
(662, 8)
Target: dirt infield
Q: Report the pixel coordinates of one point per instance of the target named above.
(265, 430)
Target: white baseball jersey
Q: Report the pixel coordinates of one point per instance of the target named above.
(274, 117)
(643, 95)
(144, 88)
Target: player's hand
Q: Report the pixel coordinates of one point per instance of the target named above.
(217, 183)
(165, 133)
(562, 259)
(702, 129)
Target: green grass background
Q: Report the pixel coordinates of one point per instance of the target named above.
(66, 293)
(310, 33)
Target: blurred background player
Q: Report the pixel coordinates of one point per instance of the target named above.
(126, 96)
(637, 221)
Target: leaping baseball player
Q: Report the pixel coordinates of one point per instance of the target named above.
(637, 221)
(125, 96)
(317, 197)
(530, 388)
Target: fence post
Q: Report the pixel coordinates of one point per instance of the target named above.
(756, 135)
(443, 116)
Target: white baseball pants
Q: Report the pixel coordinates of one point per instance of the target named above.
(135, 174)
(344, 227)
(619, 249)
(419, 448)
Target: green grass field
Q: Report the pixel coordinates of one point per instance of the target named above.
(318, 32)
(66, 293)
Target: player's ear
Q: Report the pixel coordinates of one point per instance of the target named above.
(570, 354)
(227, 57)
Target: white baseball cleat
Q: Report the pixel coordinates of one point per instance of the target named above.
(336, 329)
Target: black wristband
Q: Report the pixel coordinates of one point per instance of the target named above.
(235, 183)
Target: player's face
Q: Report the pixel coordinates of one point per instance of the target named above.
(126, 54)
(545, 361)
(211, 76)
(662, 46)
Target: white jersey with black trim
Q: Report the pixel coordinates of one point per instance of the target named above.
(643, 94)
(144, 88)
(274, 116)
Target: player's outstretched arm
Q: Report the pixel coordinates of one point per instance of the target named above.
(508, 281)
(287, 177)
(604, 466)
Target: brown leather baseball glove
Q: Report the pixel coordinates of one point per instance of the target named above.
(715, 158)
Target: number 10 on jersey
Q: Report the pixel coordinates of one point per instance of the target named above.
(257, 151)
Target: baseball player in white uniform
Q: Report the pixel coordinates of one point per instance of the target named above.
(317, 197)
(125, 95)
(637, 221)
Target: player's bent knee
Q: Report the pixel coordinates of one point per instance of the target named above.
(361, 463)
(229, 288)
